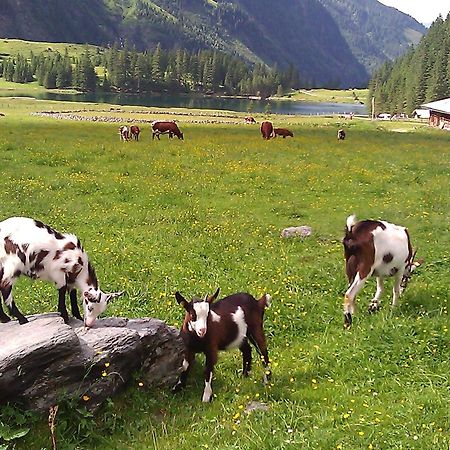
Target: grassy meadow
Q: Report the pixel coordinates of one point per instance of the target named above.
(207, 212)
(12, 47)
(329, 95)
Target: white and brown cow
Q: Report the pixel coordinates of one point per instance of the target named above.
(29, 247)
(341, 135)
(380, 249)
(124, 133)
(166, 127)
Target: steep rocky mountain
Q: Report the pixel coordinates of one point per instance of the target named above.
(331, 42)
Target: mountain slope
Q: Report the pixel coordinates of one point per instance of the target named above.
(374, 32)
(316, 36)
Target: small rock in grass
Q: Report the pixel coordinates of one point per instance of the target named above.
(302, 231)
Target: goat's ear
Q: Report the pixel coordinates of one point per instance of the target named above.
(113, 295)
(181, 300)
(419, 262)
(211, 298)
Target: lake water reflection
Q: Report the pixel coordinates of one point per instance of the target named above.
(198, 102)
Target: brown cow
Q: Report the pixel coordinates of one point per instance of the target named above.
(267, 130)
(166, 127)
(283, 132)
(135, 131)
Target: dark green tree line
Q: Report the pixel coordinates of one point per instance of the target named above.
(160, 70)
(421, 75)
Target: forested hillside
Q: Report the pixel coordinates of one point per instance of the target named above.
(374, 32)
(315, 36)
(125, 70)
(421, 75)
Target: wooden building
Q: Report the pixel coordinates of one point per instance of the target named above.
(439, 113)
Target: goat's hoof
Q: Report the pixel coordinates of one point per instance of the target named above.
(4, 319)
(373, 307)
(347, 321)
(23, 321)
(207, 399)
(177, 388)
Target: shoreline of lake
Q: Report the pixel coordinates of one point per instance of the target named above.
(195, 101)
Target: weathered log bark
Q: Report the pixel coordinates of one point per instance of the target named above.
(46, 360)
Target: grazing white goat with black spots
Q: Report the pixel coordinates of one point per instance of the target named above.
(229, 323)
(29, 247)
(380, 249)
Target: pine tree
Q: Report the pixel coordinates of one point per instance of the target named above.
(85, 78)
(156, 66)
(437, 83)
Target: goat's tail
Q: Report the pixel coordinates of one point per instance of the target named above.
(265, 301)
(351, 220)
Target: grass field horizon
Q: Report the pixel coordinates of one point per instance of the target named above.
(207, 212)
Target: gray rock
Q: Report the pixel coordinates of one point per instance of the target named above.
(301, 231)
(255, 406)
(46, 360)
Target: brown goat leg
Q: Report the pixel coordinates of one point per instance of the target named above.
(74, 305)
(211, 359)
(3, 317)
(189, 359)
(7, 297)
(246, 357)
(62, 304)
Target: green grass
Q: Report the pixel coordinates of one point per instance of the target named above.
(194, 215)
(11, 47)
(23, 89)
(329, 95)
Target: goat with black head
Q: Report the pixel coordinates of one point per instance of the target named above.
(228, 323)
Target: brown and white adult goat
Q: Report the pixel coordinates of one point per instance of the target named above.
(29, 247)
(229, 323)
(380, 249)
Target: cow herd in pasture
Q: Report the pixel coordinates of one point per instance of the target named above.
(169, 127)
(159, 127)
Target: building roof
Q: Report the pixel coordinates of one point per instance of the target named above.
(442, 106)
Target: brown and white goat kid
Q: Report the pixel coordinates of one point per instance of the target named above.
(229, 323)
(29, 247)
(380, 249)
